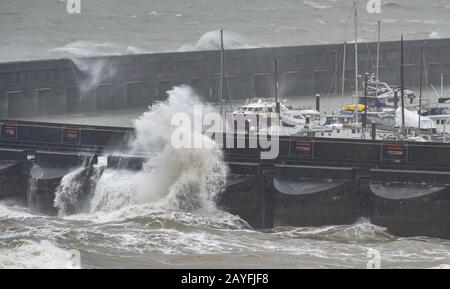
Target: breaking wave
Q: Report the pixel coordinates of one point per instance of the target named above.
(26, 254)
(186, 179)
(14, 212)
(435, 35)
(361, 231)
(211, 41)
(91, 48)
(316, 5)
(75, 191)
(391, 4)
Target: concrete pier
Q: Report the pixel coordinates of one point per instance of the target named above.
(46, 174)
(247, 196)
(315, 196)
(62, 137)
(411, 203)
(14, 170)
(403, 186)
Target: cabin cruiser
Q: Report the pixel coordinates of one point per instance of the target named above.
(340, 120)
(343, 133)
(440, 117)
(266, 109)
(383, 116)
(444, 102)
(380, 94)
(344, 126)
(347, 124)
(312, 117)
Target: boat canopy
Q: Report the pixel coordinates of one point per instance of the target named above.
(351, 107)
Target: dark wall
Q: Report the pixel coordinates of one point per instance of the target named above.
(90, 84)
(62, 137)
(296, 150)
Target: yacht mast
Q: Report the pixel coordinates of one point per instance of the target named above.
(356, 60)
(402, 88)
(343, 68)
(275, 84)
(421, 82)
(378, 57)
(221, 73)
(275, 78)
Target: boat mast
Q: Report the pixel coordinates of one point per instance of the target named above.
(275, 78)
(421, 82)
(366, 78)
(343, 68)
(356, 59)
(378, 57)
(402, 87)
(221, 73)
(275, 88)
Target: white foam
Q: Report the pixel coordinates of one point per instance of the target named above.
(25, 254)
(435, 35)
(155, 13)
(211, 41)
(187, 179)
(7, 212)
(92, 48)
(316, 5)
(115, 189)
(442, 266)
(65, 191)
(151, 212)
(95, 70)
(75, 190)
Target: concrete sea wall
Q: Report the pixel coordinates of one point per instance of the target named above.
(48, 87)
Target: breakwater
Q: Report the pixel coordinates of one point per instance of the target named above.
(59, 86)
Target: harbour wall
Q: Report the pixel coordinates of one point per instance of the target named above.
(49, 87)
(292, 149)
(62, 137)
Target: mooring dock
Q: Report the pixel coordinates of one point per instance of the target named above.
(403, 186)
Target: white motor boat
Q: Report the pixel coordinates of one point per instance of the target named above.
(266, 109)
(380, 94)
(440, 117)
